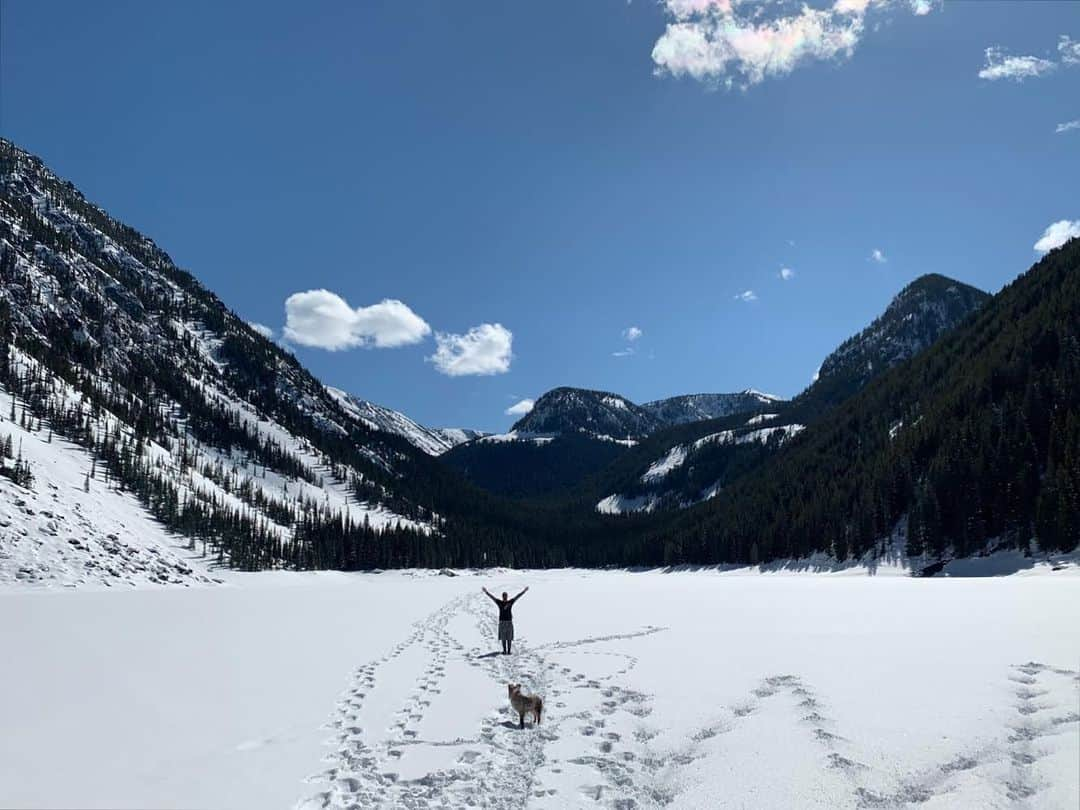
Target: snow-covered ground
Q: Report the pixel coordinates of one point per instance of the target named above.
(690, 689)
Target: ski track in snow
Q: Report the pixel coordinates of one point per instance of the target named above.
(496, 765)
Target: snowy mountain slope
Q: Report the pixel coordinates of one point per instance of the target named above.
(66, 528)
(700, 467)
(217, 431)
(456, 436)
(433, 441)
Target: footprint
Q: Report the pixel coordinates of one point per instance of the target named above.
(742, 709)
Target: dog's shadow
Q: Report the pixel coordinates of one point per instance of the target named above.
(510, 724)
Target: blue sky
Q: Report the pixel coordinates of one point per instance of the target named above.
(543, 177)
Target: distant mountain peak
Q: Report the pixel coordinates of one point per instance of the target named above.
(600, 413)
(603, 413)
(915, 318)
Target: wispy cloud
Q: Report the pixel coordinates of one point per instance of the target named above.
(324, 320)
(743, 42)
(1067, 126)
(520, 408)
(1016, 68)
(1069, 50)
(878, 255)
(1000, 65)
(483, 350)
(1057, 234)
(630, 334)
(786, 273)
(746, 296)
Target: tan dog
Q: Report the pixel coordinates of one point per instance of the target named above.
(523, 704)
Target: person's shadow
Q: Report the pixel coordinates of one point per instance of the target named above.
(489, 655)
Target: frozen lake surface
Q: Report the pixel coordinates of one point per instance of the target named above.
(695, 689)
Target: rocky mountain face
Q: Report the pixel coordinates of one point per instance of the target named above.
(687, 408)
(433, 441)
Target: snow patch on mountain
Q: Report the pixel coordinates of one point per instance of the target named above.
(677, 455)
(665, 464)
(761, 417)
(517, 436)
(621, 504)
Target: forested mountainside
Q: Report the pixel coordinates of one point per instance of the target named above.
(974, 441)
(223, 436)
(523, 466)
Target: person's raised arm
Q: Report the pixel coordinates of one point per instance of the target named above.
(520, 594)
(489, 596)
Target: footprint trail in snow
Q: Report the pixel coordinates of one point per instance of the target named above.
(424, 755)
(428, 726)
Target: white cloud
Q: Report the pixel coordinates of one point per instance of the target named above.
(324, 320)
(1058, 234)
(262, 329)
(878, 255)
(627, 352)
(999, 66)
(786, 273)
(483, 350)
(739, 42)
(1069, 50)
(1068, 125)
(520, 408)
(632, 333)
(746, 296)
